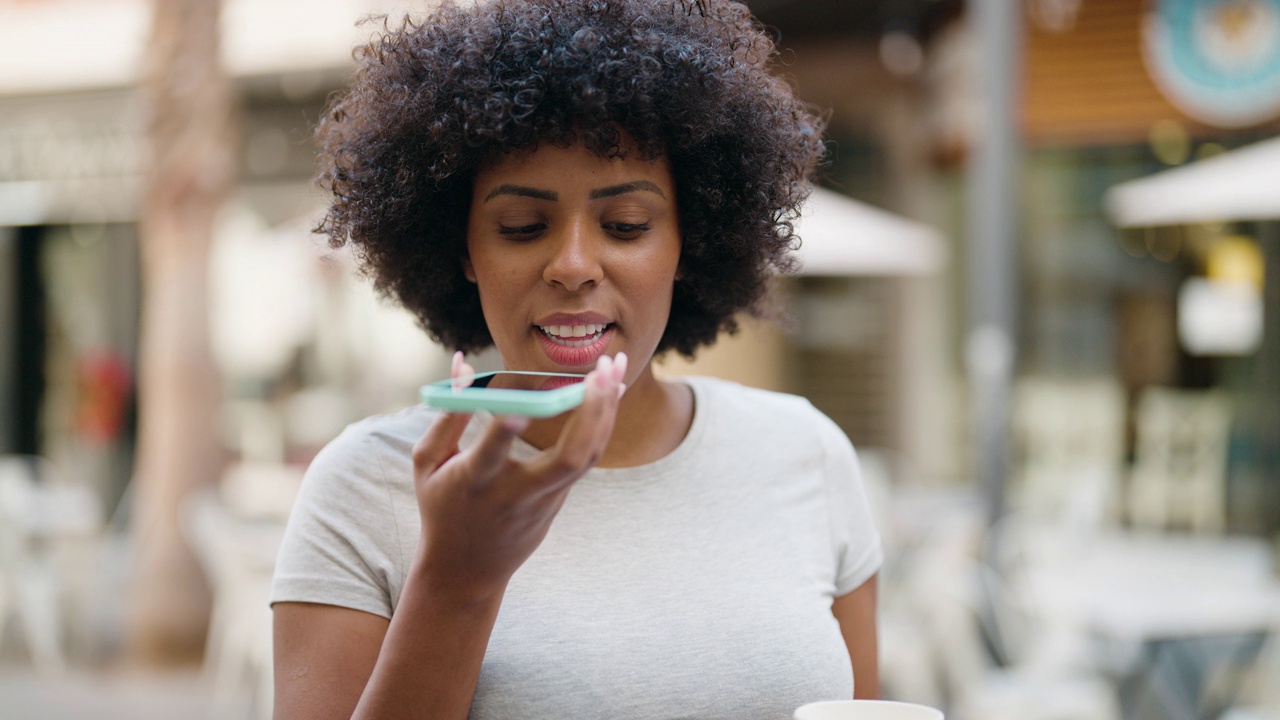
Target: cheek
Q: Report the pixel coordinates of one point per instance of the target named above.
(496, 293)
(659, 263)
(666, 267)
(494, 272)
(647, 275)
(502, 286)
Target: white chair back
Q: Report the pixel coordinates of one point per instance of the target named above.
(47, 530)
(238, 555)
(1069, 436)
(1179, 473)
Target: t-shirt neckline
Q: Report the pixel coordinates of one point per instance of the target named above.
(702, 418)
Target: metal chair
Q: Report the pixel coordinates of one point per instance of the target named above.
(967, 612)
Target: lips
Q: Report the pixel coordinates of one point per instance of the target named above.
(574, 335)
(574, 340)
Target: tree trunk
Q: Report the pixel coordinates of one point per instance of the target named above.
(191, 172)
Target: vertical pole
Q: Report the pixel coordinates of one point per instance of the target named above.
(191, 130)
(8, 334)
(30, 329)
(1266, 399)
(991, 267)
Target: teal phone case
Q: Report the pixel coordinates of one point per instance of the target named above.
(504, 401)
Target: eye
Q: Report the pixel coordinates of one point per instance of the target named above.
(626, 231)
(521, 232)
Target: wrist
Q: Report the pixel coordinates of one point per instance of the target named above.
(455, 586)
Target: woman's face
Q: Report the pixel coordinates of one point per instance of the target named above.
(575, 256)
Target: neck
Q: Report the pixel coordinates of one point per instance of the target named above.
(653, 417)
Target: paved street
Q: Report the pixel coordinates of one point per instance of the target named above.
(177, 695)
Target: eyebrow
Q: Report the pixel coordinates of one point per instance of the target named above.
(598, 194)
(521, 191)
(624, 188)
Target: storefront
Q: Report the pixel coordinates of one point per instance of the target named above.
(1106, 101)
(69, 178)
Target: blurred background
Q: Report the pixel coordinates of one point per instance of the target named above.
(1040, 292)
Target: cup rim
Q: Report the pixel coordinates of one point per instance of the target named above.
(825, 703)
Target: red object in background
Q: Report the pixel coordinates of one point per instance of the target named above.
(104, 381)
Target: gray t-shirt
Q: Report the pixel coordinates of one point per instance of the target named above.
(698, 586)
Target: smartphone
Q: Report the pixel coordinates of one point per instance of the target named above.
(508, 392)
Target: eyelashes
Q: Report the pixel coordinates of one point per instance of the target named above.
(520, 232)
(621, 231)
(626, 231)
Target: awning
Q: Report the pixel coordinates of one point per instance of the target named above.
(259, 37)
(1242, 184)
(841, 236)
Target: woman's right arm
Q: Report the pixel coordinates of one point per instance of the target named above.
(483, 514)
(335, 663)
(325, 657)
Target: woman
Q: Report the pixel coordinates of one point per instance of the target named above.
(583, 185)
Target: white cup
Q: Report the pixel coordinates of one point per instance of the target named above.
(866, 710)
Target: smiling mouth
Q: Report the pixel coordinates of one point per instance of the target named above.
(574, 336)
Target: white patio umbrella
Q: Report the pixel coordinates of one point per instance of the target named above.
(1242, 184)
(841, 236)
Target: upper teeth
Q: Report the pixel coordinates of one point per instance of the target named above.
(572, 331)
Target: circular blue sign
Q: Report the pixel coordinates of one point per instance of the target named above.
(1218, 61)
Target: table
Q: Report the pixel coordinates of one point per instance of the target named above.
(1186, 606)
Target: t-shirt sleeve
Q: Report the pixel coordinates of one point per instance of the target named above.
(341, 542)
(859, 553)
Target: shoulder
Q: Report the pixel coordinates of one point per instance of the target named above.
(398, 430)
(783, 412)
(734, 396)
(391, 433)
(367, 453)
(351, 528)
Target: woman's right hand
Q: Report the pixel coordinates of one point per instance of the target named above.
(483, 512)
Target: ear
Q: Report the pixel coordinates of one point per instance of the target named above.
(468, 269)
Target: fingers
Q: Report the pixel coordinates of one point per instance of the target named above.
(460, 371)
(620, 372)
(580, 446)
(439, 442)
(587, 433)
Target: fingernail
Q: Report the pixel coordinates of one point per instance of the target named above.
(604, 371)
(620, 366)
(515, 423)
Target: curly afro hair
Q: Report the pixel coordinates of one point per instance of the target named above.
(433, 101)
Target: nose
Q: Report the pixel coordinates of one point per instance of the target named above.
(575, 258)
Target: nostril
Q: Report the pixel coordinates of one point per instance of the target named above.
(573, 268)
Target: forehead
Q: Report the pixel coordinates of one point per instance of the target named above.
(549, 165)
